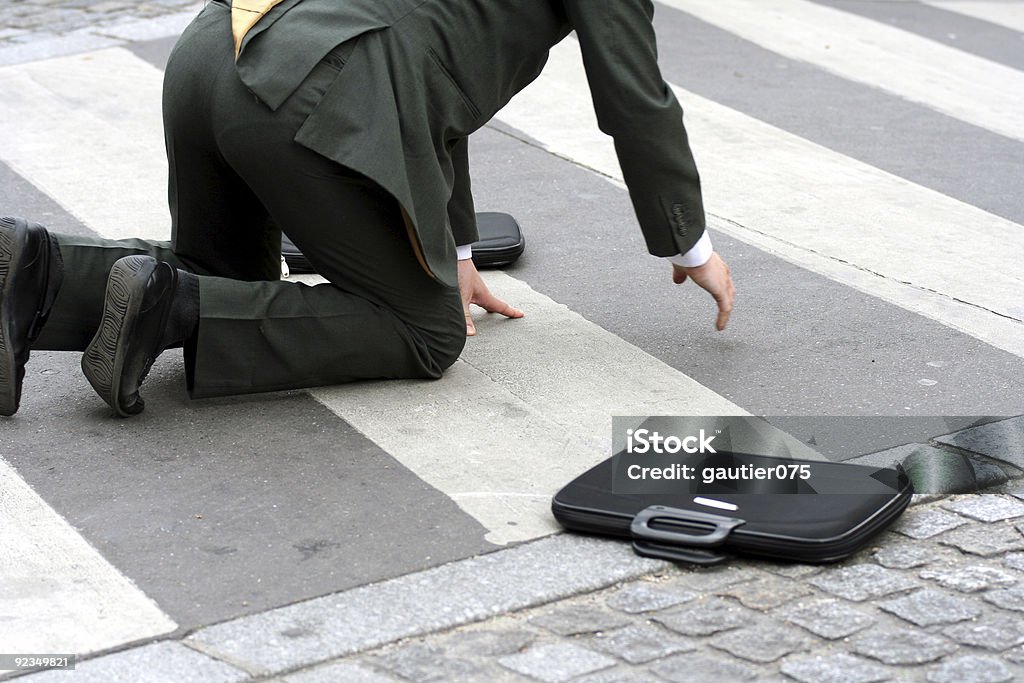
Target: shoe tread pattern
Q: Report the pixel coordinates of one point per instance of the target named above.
(100, 360)
(8, 384)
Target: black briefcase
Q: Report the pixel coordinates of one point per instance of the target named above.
(501, 240)
(825, 517)
(501, 243)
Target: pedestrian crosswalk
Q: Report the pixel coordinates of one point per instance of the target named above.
(820, 209)
(959, 84)
(530, 403)
(504, 431)
(57, 593)
(113, 178)
(1008, 14)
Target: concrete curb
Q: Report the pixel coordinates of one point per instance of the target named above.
(297, 636)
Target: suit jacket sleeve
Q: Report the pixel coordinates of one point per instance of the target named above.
(636, 107)
(461, 212)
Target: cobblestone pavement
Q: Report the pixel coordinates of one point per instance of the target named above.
(30, 21)
(940, 598)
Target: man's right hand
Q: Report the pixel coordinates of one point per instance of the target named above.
(474, 291)
(714, 278)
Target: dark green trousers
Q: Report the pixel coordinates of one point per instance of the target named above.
(236, 179)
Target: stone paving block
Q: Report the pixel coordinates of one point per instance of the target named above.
(998, 631)
(487, 643)
(624, 675)
(705, 617)
(708, 580)
(990, 475)
(488, 671)
(904, 555)
(1016, 655)
(1010, 598)
(26, 48)
(556, 662)
(862, 582)
(985, 540)
(30, 23)
(1014, 561)
(422, 662)
(636, 598)
(166, 662)
(576, 619)
(793, 571)
(970, 669)
(640, 643)
(928, 522)
(987, 508)
(903, 646)
(929, 607)
(970, 578)
(703, 667)
(833, 668)
(921, 499)
(29, 37)
(764, 642)
(1003, 440)
(108, 7)
(350, 672)
(148, 29)
(827, 618)
(6, 32)
(766, 592)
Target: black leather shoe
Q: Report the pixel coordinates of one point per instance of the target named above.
(31, 271)
(142, 316)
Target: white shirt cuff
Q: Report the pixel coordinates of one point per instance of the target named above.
(465, 251)
(697, 256)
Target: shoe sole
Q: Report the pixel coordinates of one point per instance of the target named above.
(103, 360)
(17, 235)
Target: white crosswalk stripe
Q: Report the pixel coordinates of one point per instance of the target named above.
(1009, 13)
(956, 83)
(45, 109)
(57, 593)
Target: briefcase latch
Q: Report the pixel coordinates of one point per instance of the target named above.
(681, 535)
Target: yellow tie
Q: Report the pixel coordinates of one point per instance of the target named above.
(244, 15)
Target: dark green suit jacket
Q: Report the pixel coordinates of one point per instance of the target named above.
(418, 76)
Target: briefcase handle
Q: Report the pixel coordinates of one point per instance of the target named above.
(705, 558)
(665, 543)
